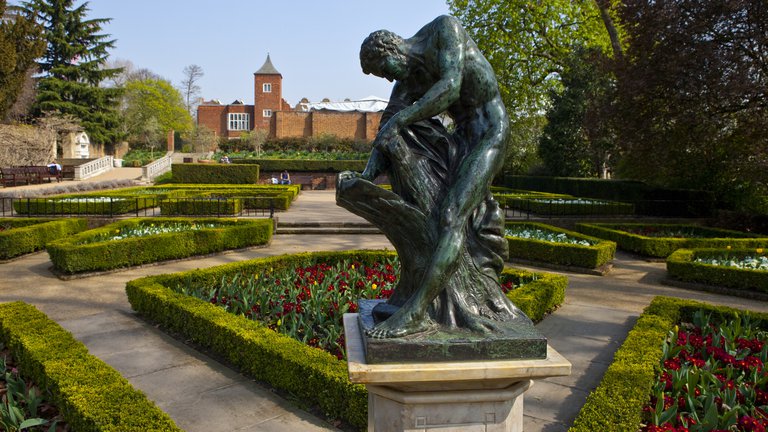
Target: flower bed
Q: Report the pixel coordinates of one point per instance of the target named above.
(618, 402)
(712, 378)
(660, 240)
(311, 375)
(548, 244)
(201, 206)
(740, 269)
(92, 251)
(22, 236)
(564, 205)
(90, 394)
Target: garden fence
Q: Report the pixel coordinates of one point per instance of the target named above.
(110, 207)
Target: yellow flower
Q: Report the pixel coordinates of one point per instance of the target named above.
(759, 250)
(315, 282)
(353, 267)
(374, 286)
(728, 247)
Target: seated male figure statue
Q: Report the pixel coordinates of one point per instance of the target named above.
(453, 247)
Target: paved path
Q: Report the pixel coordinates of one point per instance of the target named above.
(201, 394)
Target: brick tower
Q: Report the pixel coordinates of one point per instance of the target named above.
(268, 95)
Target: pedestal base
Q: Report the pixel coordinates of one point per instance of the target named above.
(446, 396)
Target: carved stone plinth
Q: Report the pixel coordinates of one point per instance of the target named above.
(446, 396)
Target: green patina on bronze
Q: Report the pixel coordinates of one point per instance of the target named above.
(440, 215)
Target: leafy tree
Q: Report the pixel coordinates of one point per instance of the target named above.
(189, 87)
(20, 45)
(528, 43)
(578, 140)
(157, 103)
(692, 97)
(72, 69)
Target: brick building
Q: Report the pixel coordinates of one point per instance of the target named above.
(270, 112)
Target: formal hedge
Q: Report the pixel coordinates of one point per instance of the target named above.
(302, 165)
(312, 376)
(566, 254)
(23, 236)
(75, 254)
(190, 190)
(93, 204)
(662, 247)
(681, 266)
(568, 206)
(201, 207)
(648, 200)
(617, 403)
(91, 395)
(215, 173)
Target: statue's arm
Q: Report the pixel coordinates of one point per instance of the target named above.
(448, 45)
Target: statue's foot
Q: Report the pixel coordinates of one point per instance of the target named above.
(402, 323)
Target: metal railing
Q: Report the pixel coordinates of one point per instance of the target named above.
(111, 207)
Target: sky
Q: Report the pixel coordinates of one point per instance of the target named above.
(313, 44)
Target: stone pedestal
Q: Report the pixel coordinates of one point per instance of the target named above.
(446, 396)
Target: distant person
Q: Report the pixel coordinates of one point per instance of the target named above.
(274, 180)
(54, 168)
(225, 159)
(285, 178)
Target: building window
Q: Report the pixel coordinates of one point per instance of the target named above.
(266, 88)
(267, 113)
(238, 121)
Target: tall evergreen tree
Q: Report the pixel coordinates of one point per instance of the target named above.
(20, 45)
(72, 67)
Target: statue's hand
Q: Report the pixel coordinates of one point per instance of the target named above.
(388, 132)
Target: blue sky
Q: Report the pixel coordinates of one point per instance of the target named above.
(314, 44)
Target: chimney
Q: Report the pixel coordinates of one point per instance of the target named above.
(170, 141)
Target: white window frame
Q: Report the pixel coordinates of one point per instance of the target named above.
(238, 122)
(266, 88)
(266, 113)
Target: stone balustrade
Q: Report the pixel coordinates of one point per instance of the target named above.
(94, 168)
(156, 168)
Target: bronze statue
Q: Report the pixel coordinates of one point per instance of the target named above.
(440, 216)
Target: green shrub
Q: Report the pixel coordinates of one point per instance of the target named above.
(560, 253)
(661, 247)
(215, 173)
(201, 206)
(91, 396)
(567, 206)
(617, 403)
(681, 265)
(75, 254)
(311, 375)
(303, 165)
(28, 235)
(82, 204)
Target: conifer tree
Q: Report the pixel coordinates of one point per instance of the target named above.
(73, 69)
(20, 45)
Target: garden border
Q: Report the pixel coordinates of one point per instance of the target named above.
(617, 403)
(32, 235)
(91, 395)
(681, 268)
(309, 374)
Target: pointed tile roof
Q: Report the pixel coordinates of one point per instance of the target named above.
(267, 68)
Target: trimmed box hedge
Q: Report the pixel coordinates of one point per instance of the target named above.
(662, 247)
(681, 266)
(79, 204)
(308, 374)
(201, 206)
(215, 173)
(24, 236)
(304, 165)
(90, 395)
(590, 257)
(617, 403)
(71, 255)
(569, 206)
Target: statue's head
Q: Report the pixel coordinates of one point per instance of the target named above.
(382, 54)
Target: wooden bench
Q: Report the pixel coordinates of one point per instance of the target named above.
(12, 176)
(41, 173)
